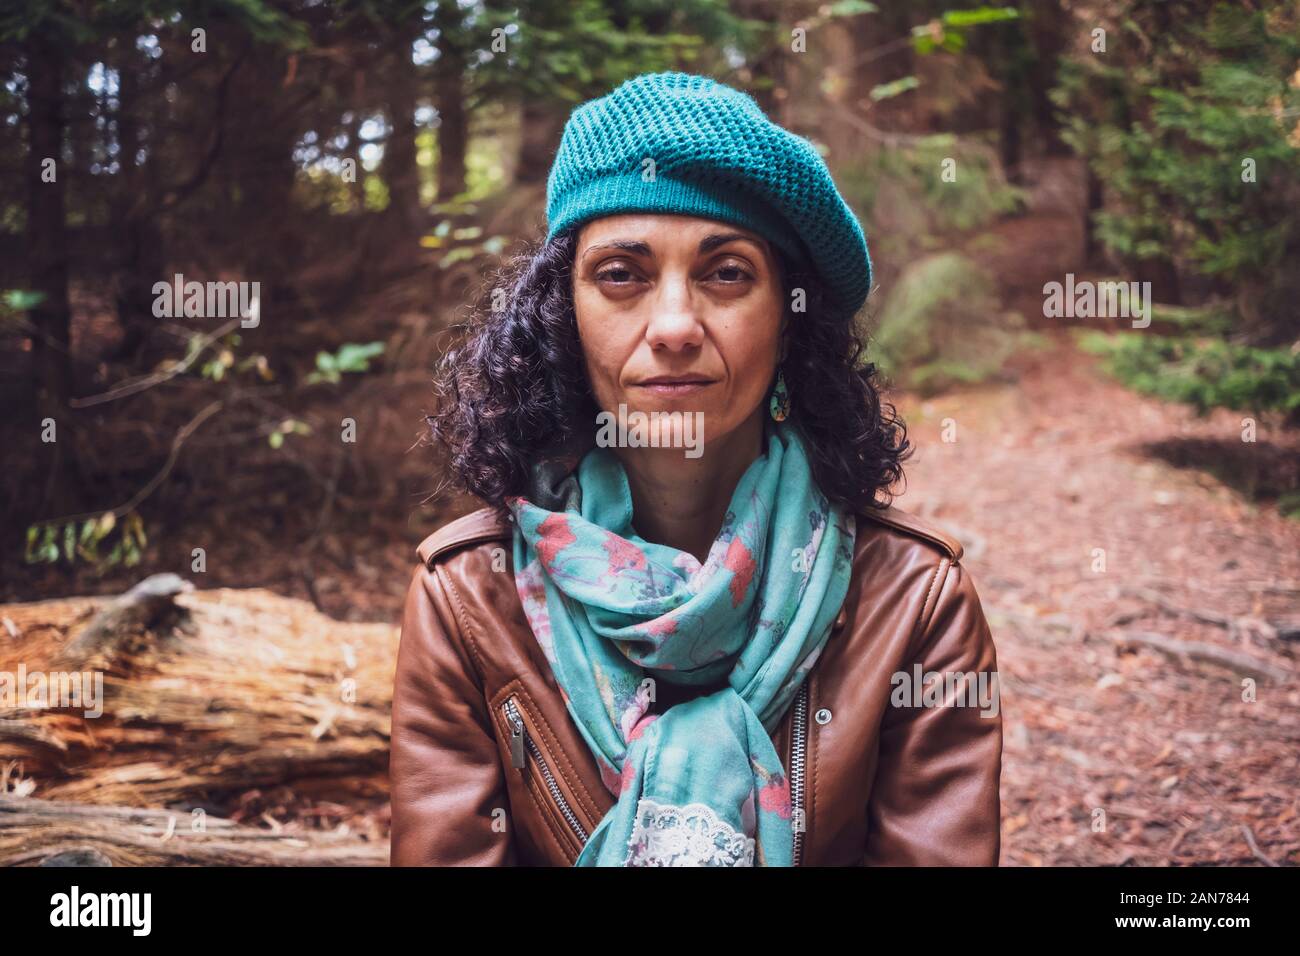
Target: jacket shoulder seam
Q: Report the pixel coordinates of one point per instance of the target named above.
(477, 527)
(464, 632)
(910, 524)
(938, 581)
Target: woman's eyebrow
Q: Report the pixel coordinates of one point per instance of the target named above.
(709, 243)
(627, 245)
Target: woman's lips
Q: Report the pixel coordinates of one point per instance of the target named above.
(675, 387)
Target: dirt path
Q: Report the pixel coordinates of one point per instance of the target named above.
(1115, 755)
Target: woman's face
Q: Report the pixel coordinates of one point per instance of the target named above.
(678, 313)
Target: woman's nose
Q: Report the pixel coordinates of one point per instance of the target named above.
(674, 321)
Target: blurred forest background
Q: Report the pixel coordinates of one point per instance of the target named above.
(370, 164)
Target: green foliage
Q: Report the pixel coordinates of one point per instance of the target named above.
(81, 539)
(352, 357)
(485, 174)
(566, 51)
(1203, 372)
(76, 23)
(851, 8)
(978, 194)
(14, 304)
(1172, 128)
(887, 91)
(463, 245)
(948, 31)
(21, 300)
(941, 326)
(1211, 319)
(375, 191)
(1196, 141)
(223, 358)
(290, 426)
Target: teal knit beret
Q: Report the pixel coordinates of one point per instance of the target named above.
(716, 155)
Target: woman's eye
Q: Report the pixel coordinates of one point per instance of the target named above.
(732, 273)
(618, 275)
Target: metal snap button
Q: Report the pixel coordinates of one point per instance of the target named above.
(822, 716)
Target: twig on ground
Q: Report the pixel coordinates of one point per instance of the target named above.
(122, 510)
(1200, 651)
(1254, 847)
(136, 385)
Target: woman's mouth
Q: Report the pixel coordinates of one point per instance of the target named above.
(675, 385)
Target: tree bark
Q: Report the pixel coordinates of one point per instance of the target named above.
(358, 185)
(400, 168)
(63, 833)
(47, 241)
(260, 165)
(453, 120)
(540, 128)
(1049, 28)
(202, 696)
(141, 261)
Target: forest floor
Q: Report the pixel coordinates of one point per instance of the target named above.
(1087, 515)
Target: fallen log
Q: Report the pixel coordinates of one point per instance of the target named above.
(206, 695)
(150, 605)
(59, 833)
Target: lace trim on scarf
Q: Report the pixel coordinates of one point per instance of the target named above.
(665, 834)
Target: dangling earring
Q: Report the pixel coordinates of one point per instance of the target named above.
(780, 405)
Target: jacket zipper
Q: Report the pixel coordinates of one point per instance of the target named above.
(521, 745)
(798, 753)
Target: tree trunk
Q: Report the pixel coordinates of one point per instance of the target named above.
(141, 261)
(540, 128)
(1163, 276)
(260, 166)
(1049, 29)
(1096, 202)
(47, 241)
(400, 168)
(358, 185)
(453, 121)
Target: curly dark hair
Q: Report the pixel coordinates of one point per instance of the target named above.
(516, 390)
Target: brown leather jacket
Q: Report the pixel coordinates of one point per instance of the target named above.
(488, 768)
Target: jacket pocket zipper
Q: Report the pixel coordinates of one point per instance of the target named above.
(798, 765)
(522, 746)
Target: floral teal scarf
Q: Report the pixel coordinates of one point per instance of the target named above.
(702, 783)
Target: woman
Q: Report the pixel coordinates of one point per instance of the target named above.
(687, 629)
